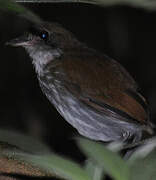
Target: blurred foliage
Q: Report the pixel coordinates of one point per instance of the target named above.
(28, 144)
(53, 163)
(147, 4)
(11, 6)
(111, 162)
(12, 167)
(101, 161)
(93, 169)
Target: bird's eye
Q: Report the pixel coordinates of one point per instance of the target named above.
(44, 35)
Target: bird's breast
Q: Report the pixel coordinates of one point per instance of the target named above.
(66, 104)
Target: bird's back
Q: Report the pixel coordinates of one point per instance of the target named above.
(99, 79)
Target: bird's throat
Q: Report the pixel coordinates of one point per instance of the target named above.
(40, 57)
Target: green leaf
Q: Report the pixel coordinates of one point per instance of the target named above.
(11, 6)
(143, 161)
(94, 170)
(144, 168)
(55, 164)
(110, 161)
(143, 149)
(23, 142)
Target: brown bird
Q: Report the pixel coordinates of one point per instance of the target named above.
(93, 92)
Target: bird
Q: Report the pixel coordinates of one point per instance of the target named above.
(91, 91)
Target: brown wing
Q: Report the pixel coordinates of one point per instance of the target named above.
(100, 82)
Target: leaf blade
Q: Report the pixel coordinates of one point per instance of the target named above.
(111, 162)
(62, 167)
(23, 142)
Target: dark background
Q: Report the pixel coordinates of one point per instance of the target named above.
(124, 33)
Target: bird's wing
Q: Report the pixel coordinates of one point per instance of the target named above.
(104, 84)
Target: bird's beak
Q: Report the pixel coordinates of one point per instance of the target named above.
(20, 41)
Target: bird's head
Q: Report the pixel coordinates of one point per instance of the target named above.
(45, 42)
